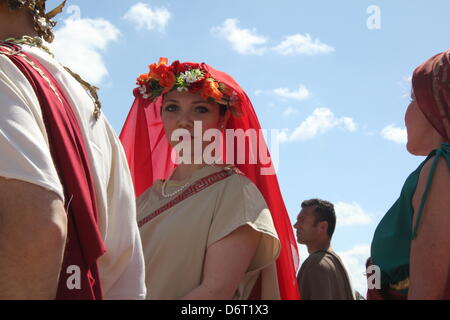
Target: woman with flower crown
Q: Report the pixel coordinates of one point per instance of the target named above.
(212, 227)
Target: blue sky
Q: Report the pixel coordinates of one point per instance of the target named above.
(314, 69)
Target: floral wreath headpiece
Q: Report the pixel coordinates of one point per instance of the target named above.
(43, 22)
(188, 77)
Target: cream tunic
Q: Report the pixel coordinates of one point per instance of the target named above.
(25, 156)
(176, 241)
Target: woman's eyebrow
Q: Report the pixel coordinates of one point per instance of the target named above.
(172, 100)
(202, 102)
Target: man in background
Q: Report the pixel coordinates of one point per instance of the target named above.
(322, 276)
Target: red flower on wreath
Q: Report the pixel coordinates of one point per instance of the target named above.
(191, 77)
(196, 86)
(143, 78)
(210, 89)
(163, 73)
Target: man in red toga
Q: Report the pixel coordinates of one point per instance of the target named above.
(67, 206)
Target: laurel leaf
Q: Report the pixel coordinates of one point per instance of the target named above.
(56, 11)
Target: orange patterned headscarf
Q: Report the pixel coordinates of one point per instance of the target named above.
(431, 86)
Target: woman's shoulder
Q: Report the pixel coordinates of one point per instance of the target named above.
(241, 188)
(238, 180)
(437, 164)
(434, 183)
(418, 179)
(149, 196)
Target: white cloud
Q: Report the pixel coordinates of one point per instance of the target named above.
(395, 134)
(350, 214)
(79, 44)
(407, 79)
(243, 41)
(283, 136)
(302, 44)
(271, 105)
(406, 85)
(355, 262)
(290, 111)
(303, 252)
(147, 18)
(368, 132)
(249, 42)
(321, 121)
(300, 94)
(347, 123)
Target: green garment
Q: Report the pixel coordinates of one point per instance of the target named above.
(391, 244)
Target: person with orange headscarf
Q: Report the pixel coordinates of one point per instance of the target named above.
(411, 245)
(213, 227)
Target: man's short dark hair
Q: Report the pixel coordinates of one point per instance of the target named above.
(324, 211)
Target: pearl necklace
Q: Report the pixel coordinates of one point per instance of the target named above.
(170, 195)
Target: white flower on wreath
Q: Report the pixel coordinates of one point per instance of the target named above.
(191, 76)
(143, 92)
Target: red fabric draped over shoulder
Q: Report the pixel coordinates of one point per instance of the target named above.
(149, 157)
(84, 241)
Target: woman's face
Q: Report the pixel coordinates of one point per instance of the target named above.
(181, 110)
(422, 137)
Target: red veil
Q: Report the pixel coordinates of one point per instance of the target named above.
(149, 157)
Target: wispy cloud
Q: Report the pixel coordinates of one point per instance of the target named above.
(80, 43)
(406, 85)
(395, 134)
(319, 122)
(355, 262)
(300, 94)
(243, 41)
(289, 111)
(351, 214)
(147, 18)
(302, 44)
(250, 42)
(303, 252)
(407, 79)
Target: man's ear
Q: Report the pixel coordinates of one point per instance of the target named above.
(323, 225)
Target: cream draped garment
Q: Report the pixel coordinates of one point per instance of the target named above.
(176, 241)
(25, 156)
